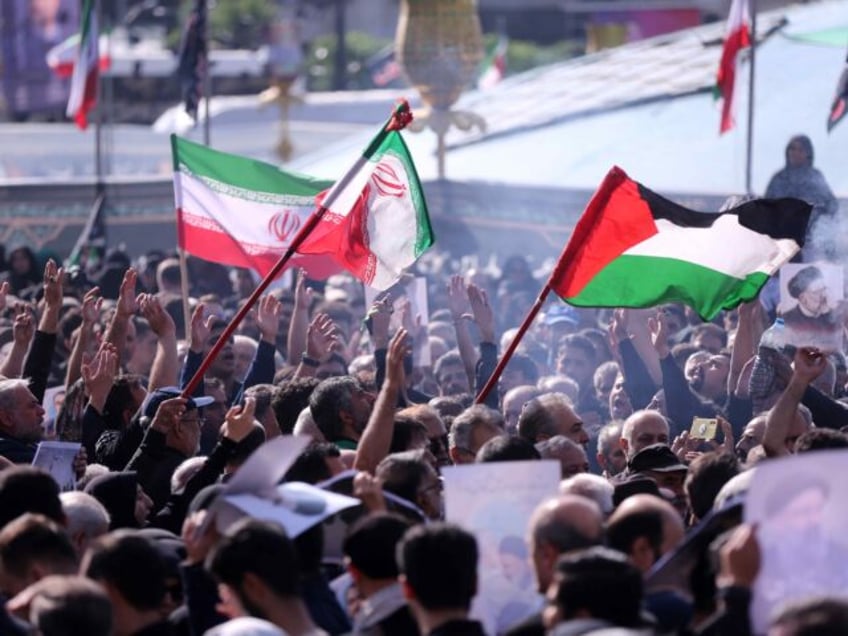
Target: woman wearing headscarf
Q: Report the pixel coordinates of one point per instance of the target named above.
(123, 498)
(22, 270)
(800, 180)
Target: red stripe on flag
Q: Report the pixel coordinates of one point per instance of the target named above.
(616, 219)
(220, 247)
(89, 99)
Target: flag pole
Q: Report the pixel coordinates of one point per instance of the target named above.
(401, 116)
(207, 86)
(184, 289)
(525, 325)
(98, 122)
(749, 150)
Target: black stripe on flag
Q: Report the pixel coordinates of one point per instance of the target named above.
(778, 218)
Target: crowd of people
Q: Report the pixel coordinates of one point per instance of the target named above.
(656, 421)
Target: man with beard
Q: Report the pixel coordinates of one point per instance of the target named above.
(341, 407)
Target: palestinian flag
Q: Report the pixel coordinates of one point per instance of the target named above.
(84, 78)
(239, 212)
(737, 37)
(633, 248)
(840, 100)
(377, 224)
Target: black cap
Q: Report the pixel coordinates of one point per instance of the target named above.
(658, 458)
(634, 485)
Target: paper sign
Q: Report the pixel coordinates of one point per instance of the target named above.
(798, 505)
(415, 290)
(495, 502)
(811, 303)
(57, 458)
(254, 491)
(54, 397)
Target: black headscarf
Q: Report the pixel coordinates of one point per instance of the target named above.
(117, 492)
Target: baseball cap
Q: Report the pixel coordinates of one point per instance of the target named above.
(154, 399)
(658, 458)
(560, 313)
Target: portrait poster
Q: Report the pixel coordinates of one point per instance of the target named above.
(811, 304)
(798, 506)
(57, 458)
(413, 289)
(495, 501)
(54, 398)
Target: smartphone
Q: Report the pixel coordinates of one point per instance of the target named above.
(703, 428)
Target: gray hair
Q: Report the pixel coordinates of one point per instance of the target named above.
(630, 423)
(592, 487)
(609, 437)
(553, 446)
(85, 514)
(91, 471)
(8, 387)
(471, 418)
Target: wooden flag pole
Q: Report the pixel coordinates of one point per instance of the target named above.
(401, 116)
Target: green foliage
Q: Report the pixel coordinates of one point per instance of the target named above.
(522, 55)
(240, 24)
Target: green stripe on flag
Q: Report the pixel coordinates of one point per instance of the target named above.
(395, 145)
(645, 281)
(239, 175)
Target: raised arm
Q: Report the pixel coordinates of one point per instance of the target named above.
(23, 330)
(125, 309)
(809, 363)
(485, 319)
(299, 324)
(164, 370)
(85, 337)
(460, 308)
(748, 333)
(322, 337)
(377, 436)
(201, 329)
(37, 362)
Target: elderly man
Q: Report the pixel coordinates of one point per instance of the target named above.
(21, 415)
(570, 455)
(549, 415)
(472, 428)
(558, 526)
(341, 407)
(642, 429)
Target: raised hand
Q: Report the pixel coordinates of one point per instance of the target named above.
(91, 304)
(322, 337)
(482, 310)
(238, 422)
(98, 373)
(809, 363)
(168, 415)
(381, 315)
(458, 298)
(127, 304)
(739, 558)
(23, 328)
(5, 288)
(367, 489)
(201, 328)
(160, 320)
(53, 292)
(268, 313)
(660, 333)
(302, 293)
(399, 348)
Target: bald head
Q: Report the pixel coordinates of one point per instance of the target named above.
(559, 525)
(514, 401)
(642, 429)
(645, 528)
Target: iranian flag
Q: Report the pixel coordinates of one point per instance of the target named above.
(236, 211)
(62, 57)
(84, 78)
(494, 65)
(376, 223)
(633, 248)
(737, 37)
